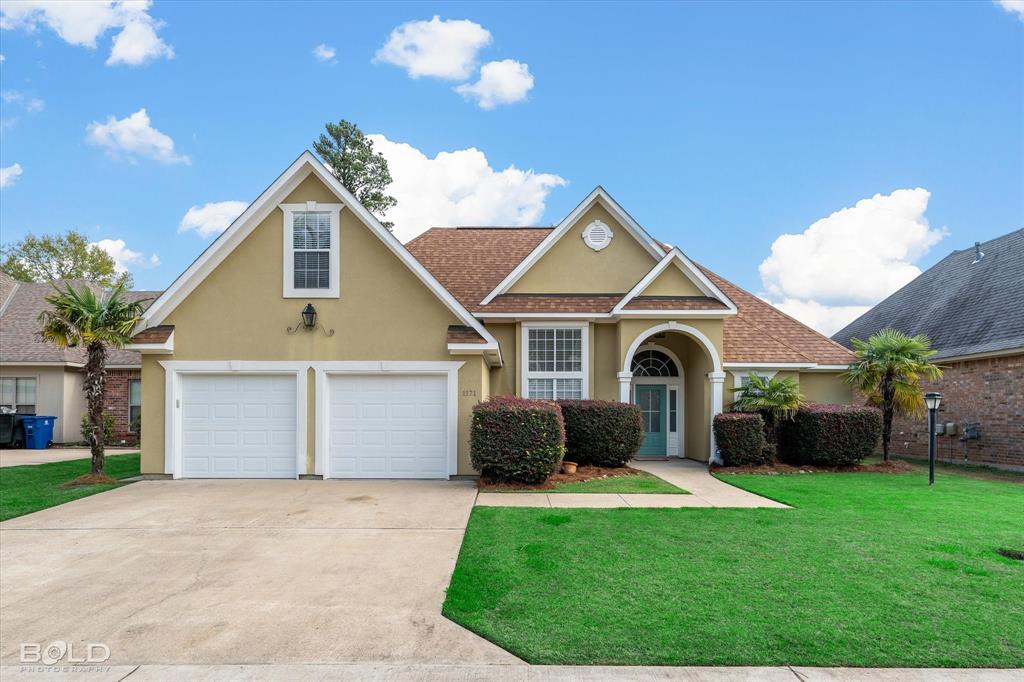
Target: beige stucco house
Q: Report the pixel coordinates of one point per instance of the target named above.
(407, 338)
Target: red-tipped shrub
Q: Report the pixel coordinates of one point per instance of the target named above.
(600, 432)
(830, 435)
(740, 439)
(515, 439)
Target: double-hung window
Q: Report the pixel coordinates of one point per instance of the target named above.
(311, 262)
(18, 394)
(555, 362)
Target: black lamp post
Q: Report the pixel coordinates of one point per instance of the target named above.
(931, 401)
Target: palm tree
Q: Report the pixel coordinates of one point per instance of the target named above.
(775, 399)
(889, 368)
(83, 318)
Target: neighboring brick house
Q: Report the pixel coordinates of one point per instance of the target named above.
(37, 377)
(971, 306)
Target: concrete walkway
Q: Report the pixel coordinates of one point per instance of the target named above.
(499, 673)
(705, 491)
(17, 458)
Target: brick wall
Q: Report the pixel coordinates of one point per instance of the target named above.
(115, 402)
(988, 391)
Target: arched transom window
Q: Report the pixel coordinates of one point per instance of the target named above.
(653, 363)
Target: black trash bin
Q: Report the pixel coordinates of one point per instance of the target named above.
(12, 431)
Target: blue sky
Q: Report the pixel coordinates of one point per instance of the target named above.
(720, 127)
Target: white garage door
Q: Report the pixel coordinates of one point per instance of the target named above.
(238, 426)
(388, 426)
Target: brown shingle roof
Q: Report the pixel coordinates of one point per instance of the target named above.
(674, 303)
(776, 331)
(19, 326)
(551, 303)
(470, 262)
(458, 333)
(157, 334)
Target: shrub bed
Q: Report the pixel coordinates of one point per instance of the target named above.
(600, 432)
(830, 435)
(515, 439)
(740, 439)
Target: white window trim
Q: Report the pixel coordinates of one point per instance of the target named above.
(524, 357)
(738, 374)
(22, 377)
(334, 290)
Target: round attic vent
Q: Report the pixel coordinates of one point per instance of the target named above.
(597, 235)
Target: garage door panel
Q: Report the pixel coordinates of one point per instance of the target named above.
(388, 426)
(238, 426)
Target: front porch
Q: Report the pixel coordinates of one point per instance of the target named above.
(673, 372)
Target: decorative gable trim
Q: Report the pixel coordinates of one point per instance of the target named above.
(691, 271)
(258, 210)
(599, 194)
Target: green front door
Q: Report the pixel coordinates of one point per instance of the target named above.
(652, 401)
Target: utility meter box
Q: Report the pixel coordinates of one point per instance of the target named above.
(940, 428)
(951, 428)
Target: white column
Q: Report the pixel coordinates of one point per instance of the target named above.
(625, 378)
(717, 380)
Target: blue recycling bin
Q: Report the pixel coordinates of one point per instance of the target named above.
(38, 431)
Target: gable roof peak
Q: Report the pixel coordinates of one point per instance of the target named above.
(649, 243)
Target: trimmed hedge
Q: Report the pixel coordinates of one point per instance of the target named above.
(740, 439)
(600, 432)
(515, 439)
(830, 435)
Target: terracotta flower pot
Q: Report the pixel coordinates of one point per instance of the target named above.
(569, 467)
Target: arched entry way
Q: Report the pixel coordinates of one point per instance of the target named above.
(674, 373)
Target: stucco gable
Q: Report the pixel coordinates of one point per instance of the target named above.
(613, 269)
(675, 275)
(618, 269)
(307, 179)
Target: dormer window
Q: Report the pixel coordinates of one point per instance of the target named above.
(311, 253)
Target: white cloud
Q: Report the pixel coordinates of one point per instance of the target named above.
(22, 100)
(325, 53)
(843, 264)
(132, 137)
(501, 82)
(137, 44)
(459, 188)
(441, 49)
(212, 218)
(10, 174)
(1013, 7)
(83, 22)
(123, 256)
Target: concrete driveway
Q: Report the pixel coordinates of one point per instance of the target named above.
(243, 572)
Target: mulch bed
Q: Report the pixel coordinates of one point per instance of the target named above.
(90, 479)
(583, 473)
(890, 467)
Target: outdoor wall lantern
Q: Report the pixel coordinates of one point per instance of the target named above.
(309, 322)
(932, 402)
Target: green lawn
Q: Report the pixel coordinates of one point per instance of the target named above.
(867, 570)
(26, 489)
(642, 482)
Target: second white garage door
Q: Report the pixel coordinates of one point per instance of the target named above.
(388, 426)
